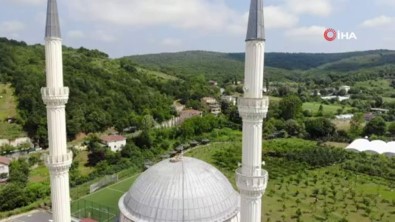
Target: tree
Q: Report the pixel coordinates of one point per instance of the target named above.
(391, 128)
(320, 110)
(376, 126)
(293, 128)
(97, 151)
(356, 125)
(12, 196)
(378, 101)
(19, 172)
(144, 140)
(320, 128)
(290, 107)
(342, 92)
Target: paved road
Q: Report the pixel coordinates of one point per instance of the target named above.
(37, 216)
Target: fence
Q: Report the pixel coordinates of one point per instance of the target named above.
(84, 209)
(103, 182)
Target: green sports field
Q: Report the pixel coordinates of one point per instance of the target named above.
(102, 205)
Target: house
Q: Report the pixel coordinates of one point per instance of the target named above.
(379, 110)
(346, 88)
(213, 106)
(209, 100)
(213, 83)
(114, 142)
(4, 168)
(187, 114)
(229, 99)
(345, 117)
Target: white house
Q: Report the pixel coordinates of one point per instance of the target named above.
(229, 99)
(346, 88)
(115, 142)
(4, 168)
(345, 117)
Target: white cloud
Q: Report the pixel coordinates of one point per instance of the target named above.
(171, 42)
(11, 27)
(387, 2)
(277, 17)
(103, 36)
(379, 21)
(310, 33)
(313, 7)
(205, 15)
(22, 2)
(76, 34)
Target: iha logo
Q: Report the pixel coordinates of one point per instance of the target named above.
(331, 35)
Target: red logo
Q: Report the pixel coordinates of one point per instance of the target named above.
(330, 34)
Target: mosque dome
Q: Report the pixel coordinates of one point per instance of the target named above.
(184, 190)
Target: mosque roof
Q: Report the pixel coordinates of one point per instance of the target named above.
(184, 190)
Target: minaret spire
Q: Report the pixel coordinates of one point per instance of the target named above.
(251, 179)
(256, 27)
(55, 97)
(52, 28)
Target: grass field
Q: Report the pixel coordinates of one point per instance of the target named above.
(107, 197)
(327, 109)
(157, 74)
(8, 105)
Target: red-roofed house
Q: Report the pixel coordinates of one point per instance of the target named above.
(115, 142)
(189, 113)
(4, 168)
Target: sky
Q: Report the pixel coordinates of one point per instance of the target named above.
(130, 27)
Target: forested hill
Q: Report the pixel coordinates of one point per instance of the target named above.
(220, 66)
(103, 92)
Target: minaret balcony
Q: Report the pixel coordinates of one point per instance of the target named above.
(60, 162)
(55, 96)
(253, 108)
(253, 184)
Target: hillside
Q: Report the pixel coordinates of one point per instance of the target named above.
(279, 66)
(103, 92)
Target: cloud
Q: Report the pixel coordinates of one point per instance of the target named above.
(11, 26)
(171, 42)
(306, 33)
(24, 2)
(76, 34)
(103, 36)
(206, 15)
(277, 17)
(312, 7)
(379, 21)
(387, 2)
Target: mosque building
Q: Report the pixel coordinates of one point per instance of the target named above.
(181, 188)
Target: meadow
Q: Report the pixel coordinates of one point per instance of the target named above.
(8, 104)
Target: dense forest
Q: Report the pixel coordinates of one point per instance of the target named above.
(225, 67)
(103, 92)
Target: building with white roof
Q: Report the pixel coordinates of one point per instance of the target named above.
(375, 146)
(183, 189)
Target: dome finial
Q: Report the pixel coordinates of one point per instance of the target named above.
(256, 27)
(52, 28)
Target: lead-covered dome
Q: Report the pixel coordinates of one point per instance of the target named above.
(185, 190)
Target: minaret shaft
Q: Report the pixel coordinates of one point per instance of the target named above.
(55, 97)
(54, 62)
(253, 79)
(253, 106)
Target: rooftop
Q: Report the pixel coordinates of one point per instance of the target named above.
(5, 160)
(184, 190)
(113, 138)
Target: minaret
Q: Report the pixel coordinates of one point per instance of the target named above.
(251, 179)
(55, 97)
